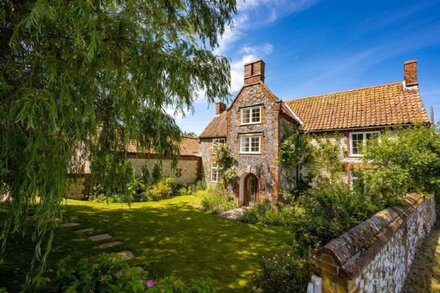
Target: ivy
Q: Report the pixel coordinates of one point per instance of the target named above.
(225, 164)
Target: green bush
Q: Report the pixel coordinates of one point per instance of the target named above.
(108, 274)
(411, 153)
(160, 190)
(264, 213)
(283, 272)
(217, 200)
(192, 188)
(327, 212)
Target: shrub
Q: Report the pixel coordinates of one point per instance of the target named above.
(157, 173)
(160, 190)
(283, 272)
(264, 213)
(192, 188)
(412, 151)
(108, 274)
(217, 200)
(326, 212)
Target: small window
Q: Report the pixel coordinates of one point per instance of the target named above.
(250, 144)
(218, 141)
(251, 115)
(358, 140)
(178, 173)
(216, 174)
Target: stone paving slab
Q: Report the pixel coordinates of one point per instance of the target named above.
(82, 231)
(234, 214)
(68, 225)
(109, 244)
(100, 237)
(125, 255)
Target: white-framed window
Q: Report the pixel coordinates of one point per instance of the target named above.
(218, 141)
(358, 140)
(250, 144)
(216, 174)
(251, 115)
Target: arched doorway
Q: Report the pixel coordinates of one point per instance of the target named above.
(249, 189)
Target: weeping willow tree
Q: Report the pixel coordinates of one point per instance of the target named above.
(97, 73)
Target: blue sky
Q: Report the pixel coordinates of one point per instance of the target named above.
(312, 47)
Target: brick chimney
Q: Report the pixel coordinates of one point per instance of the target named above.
(410, 73)
(254, 72)
(219, 108)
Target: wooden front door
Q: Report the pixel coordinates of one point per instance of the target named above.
(251, 189)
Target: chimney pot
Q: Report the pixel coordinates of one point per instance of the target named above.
(410, 73)
(219, 108)
(254, 72)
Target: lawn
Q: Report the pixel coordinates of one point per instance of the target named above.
(169, 237)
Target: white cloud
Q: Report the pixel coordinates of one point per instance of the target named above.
(252, 14)
(257, 13)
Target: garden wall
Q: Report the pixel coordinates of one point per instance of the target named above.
(188, 170)
(376, 255)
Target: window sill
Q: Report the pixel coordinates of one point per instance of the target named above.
(249, 153)
(252, 123)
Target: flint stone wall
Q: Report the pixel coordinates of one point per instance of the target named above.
(376, 255)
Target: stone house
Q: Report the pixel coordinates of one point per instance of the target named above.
(253, 124)
(187, 170)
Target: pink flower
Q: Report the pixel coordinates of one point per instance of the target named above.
(150, 284)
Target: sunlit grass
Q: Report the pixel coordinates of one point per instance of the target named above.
(173, 237)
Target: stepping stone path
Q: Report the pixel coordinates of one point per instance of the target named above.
(125, 255)
(68, 225)
(82, 231)
(100, 237)
(109, 244)
(234, 214)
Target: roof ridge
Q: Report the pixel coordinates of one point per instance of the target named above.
(342, 91)
(191, 137)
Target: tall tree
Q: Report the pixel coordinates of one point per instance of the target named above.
(71, 71)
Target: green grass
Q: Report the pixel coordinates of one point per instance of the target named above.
(425, 270)
(170, 237)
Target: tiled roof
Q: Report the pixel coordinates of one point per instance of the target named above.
(217, 127)
(189, 146)
(382, 105)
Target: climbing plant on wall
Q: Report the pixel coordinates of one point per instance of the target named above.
(225, 164)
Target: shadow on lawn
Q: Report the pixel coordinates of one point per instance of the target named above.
(183, 241)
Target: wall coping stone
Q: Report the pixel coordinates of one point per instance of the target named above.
(346, 255)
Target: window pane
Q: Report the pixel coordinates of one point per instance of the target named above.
(214, 172)
(357, 140)
(255, 145)
(244, 144)
(245, 115)
(256, 117)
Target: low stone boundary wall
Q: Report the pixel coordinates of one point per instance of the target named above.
(376, 255)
